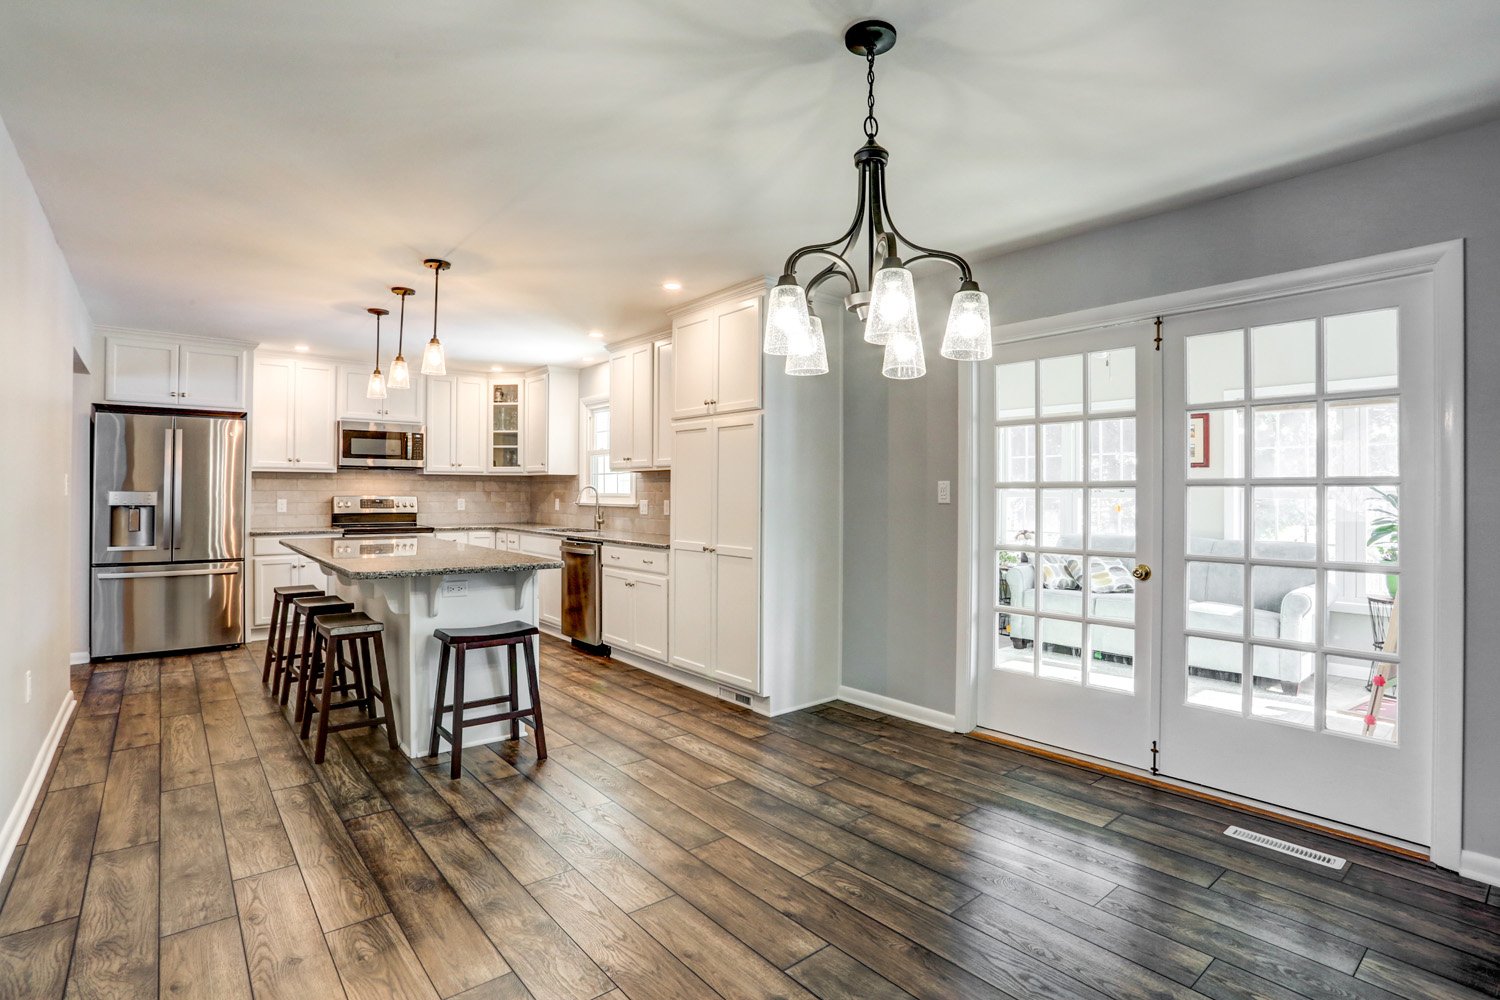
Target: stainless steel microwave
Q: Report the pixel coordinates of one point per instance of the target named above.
(380, 446)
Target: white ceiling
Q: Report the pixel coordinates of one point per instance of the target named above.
(267, 170)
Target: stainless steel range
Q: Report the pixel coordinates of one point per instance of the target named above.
(371, 516)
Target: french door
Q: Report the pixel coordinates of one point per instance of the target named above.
(1073, 515)
(1224, 550)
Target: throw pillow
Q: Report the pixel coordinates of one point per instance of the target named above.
(1110, 576)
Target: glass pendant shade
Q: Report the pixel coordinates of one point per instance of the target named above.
(787, 325)
(904, 357)
(814, 360)
(433, 360)
(400, 377)
(967, 337)
(376, 388)
(893, 306)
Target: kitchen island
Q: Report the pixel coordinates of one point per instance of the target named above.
(416, 584)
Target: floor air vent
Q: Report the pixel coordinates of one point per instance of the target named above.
(1286, 847)
(729, 694)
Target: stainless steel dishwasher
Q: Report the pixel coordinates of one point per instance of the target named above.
(581, 606)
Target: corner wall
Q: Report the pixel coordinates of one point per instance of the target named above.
(901, 563)
(37, 536)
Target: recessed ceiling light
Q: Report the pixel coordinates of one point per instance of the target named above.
(497, 368)
(671, 286)
(597, 334)
(301, 348)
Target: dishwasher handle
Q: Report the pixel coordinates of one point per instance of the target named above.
(580, 549)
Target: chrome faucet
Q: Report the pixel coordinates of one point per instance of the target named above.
(598, 514)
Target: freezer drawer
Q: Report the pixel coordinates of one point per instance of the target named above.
(139, 610)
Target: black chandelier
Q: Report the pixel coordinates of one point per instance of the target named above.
(889, 306)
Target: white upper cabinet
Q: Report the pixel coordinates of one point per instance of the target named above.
(400, 405)
(661, 448)
(292, 423)
(173, 372)
(549, 422)
(632, 413)
(457, 419)
(717, 360)
(504, 423)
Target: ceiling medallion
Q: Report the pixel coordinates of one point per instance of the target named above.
(889, 306)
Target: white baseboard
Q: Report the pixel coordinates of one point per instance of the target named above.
(1480, 867)
(77, 659)
(900, 709)
(30, 791)
(787, 709)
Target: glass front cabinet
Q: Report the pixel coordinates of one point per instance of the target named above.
(505, 425)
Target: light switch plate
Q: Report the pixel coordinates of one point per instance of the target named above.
(462, 503)
(645, 507)
(557, 503)
(281, 505)
(666, 507)
(945, 491)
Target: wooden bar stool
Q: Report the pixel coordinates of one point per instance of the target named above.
(276, 635)
(358, 633)
(306, 611)
(460, 641)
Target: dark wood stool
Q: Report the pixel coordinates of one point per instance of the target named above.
(306, 611)
(460, 641)
(359, 633)
(276, 635)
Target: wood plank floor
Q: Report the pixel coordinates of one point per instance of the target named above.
(672, 846)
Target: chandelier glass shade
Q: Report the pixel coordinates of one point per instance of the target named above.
(376, 387)
(889, 307)
(813, 359)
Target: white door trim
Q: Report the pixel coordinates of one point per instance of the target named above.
(1445, 262)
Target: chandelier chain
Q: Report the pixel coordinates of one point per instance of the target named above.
(872, 126)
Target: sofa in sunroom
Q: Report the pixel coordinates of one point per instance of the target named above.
(1281, 604)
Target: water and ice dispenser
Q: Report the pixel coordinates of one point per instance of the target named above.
(132, 519)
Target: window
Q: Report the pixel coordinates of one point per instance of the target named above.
(617, 488)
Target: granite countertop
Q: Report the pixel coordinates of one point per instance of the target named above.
(609, 536)
(413, 555)
(272, 532)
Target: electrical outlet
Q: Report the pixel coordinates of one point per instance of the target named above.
(645, 507)
(281, 505)
(28, 687)
(557, 503)
(462, 503)
(945, 491)
(666, 506)
(455, 588)
(67, 483)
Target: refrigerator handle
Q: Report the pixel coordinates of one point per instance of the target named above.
(177, 489)
(168, 464)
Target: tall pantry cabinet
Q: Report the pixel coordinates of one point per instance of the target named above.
(756, 562)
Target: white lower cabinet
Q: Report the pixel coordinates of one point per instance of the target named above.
(277, 567)
(635, 607)
(549, 581)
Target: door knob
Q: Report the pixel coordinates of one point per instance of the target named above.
(1141, 572)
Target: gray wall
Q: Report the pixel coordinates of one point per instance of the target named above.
(901, 547)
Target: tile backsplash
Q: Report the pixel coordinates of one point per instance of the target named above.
(487, 499)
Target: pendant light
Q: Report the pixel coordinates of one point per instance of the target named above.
(889, 308)
(400, 374)
(376, 388)
(433, 360)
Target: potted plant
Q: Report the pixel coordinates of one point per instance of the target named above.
(1385, 532)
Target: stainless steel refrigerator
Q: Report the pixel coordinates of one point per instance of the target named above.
(168, 567)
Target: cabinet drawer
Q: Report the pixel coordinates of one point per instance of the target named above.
(270, 545)
(630, 557)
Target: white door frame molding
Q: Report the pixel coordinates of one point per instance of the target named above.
(1444, 262)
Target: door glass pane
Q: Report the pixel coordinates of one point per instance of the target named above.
(1284, 685)
(1015, 454)
(1061, 657)
(1111, 589)
(1283, 359)
(1216, 367)
(1062, 518)
(1360, 351)
(1214, 669)
(1364, 698)
(1216, 520)
(1283, 603)
(1216, 597)
(1015, 391)
(1112, 380)
(1112, 657)
(1112, 449)
(1062, 452)
(1284, 522)
(1112, 520)
(1015, 517)
(1360, 609)
(1364, 438)
(1362, 523)
(1012, 578)
(1015, 643)
(1061, 589)
(1062, 385)
(1285, 441)
(1215, 445)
